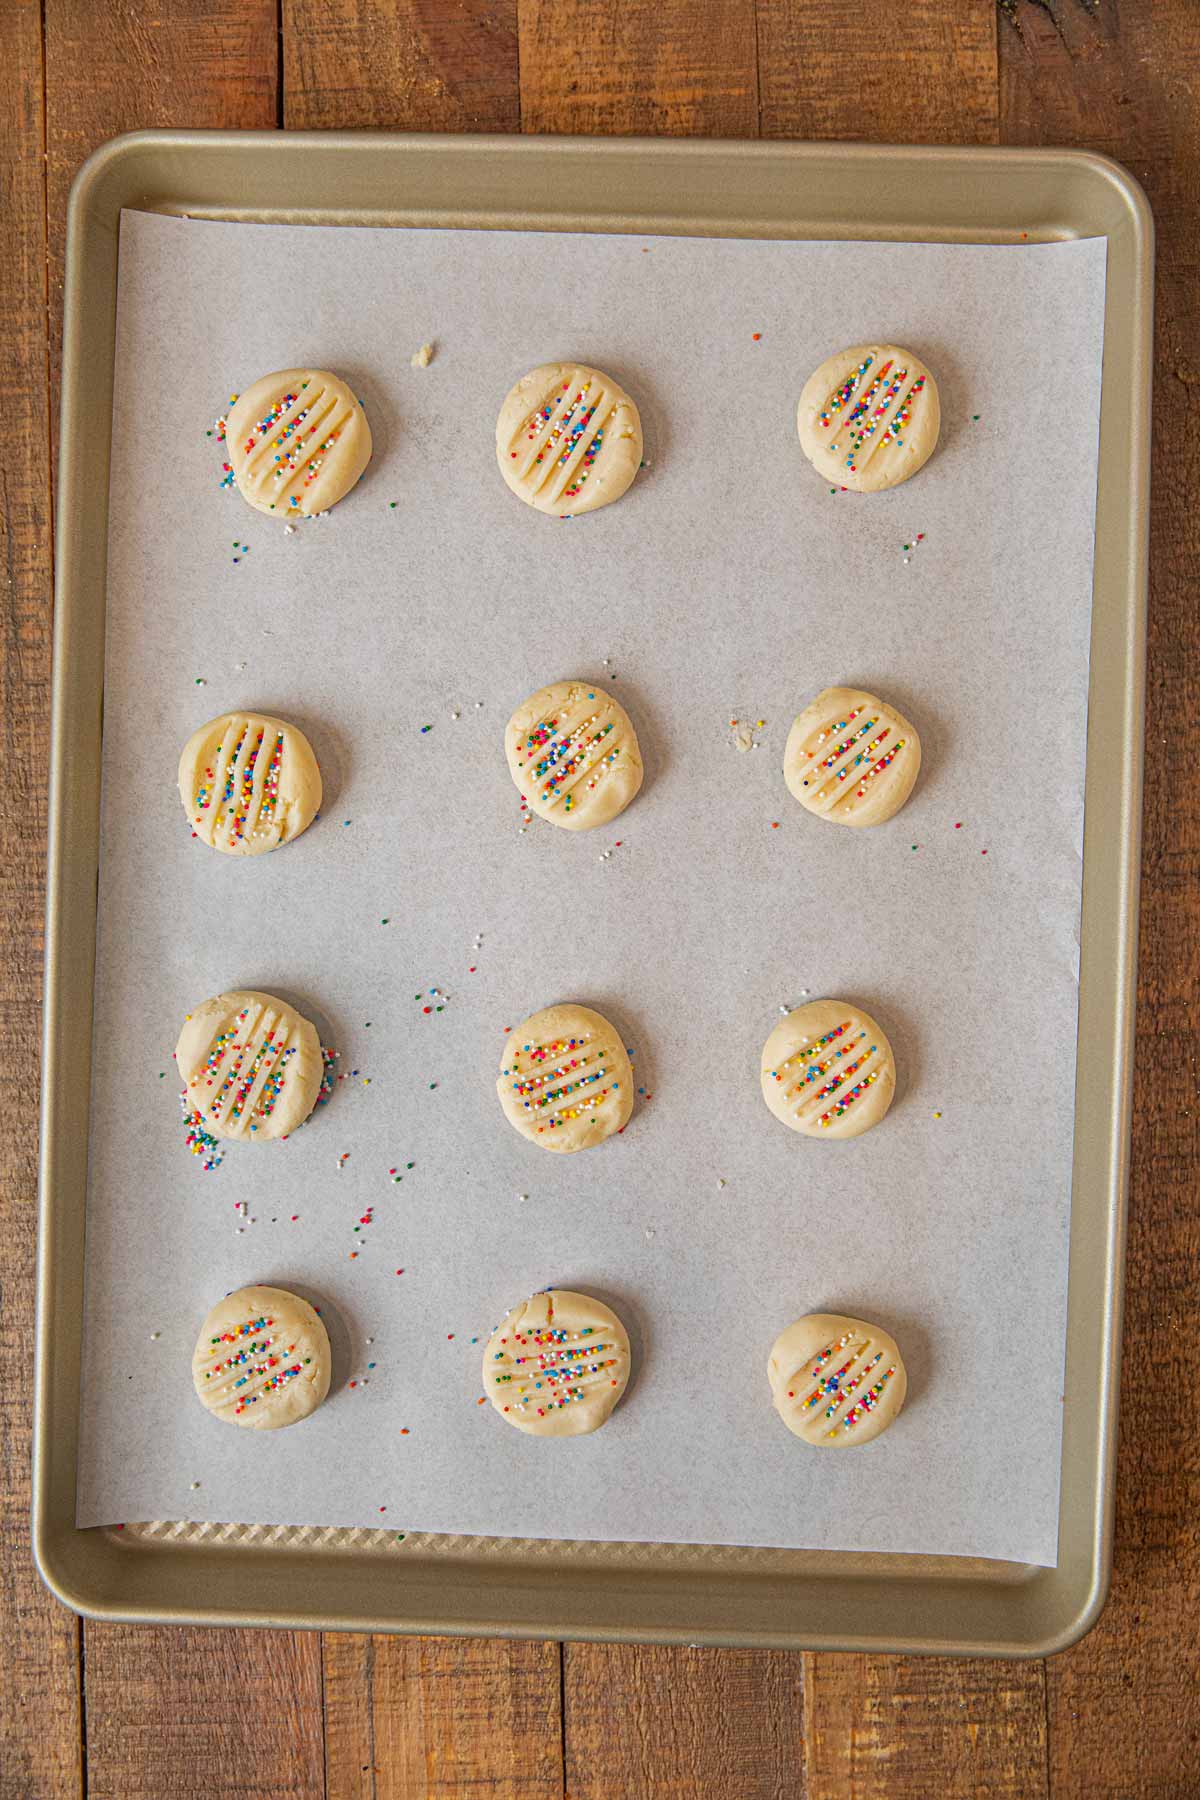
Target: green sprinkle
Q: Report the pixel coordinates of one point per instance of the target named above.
(392, 505)
(383, 921)
(974, 415)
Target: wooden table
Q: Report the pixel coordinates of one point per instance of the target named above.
(121, 1713)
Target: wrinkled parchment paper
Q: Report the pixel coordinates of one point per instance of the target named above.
(730, 583)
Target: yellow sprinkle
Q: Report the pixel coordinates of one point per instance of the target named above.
(937, 1115)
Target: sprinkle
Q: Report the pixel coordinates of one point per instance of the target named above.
(391, 505)
(426, 728)
(383, 921)
(937, 1115)
(914, 846)
(958, 827)
(974, 415)
(195, 1485)
(404, 1431)
(200, 681)
(720, 1182)
(154, 1336)
(774, 824)
(983, 853)
(756, 335)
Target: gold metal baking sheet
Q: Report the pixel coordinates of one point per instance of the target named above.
(365, 1580)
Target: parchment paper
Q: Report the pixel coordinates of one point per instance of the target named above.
(730, 583)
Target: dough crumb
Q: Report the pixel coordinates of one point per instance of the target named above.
(422, 358)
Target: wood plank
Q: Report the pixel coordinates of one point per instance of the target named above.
(905, 1728)
(435, 1719)
(878, 1726)
(924, 73)
(167, 1712)
(646, 1723)
(119, 68)
(665, 68)
(401, 65)
(175, 1713)
(40, 1723)
(1124, 1705)
(417, 1717)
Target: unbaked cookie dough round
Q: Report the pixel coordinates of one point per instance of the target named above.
(869, 417)
(568, 439)
(262, 1359)
(836, 1381)
(249, 783)
(557, 1365)
(297, 442)
(573, 754)
(251, 1064)
(566, 1081)
(851, 758)
(828, 1070)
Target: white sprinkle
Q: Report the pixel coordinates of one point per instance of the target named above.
(649, 1231)
(520, 831)
(154, 1336)
(522, 1196)
(240, 1230)
(422, 358)
(195, 1485)
(289, 531)
(454, 715)
(478, 705)
(370, 1340)
(785, 1009)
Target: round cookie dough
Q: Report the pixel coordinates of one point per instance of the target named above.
(566, 1081)
(573, 754)
(851, 758)
(262, 1359)
(251, 1064)
(869, 417)
(828, 1070)
(568, 439)
(297, 442)
(836, 1381)
(249, 783)
(557, 1365)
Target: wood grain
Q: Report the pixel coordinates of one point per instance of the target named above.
(890, 1727)
(906, 1728)
(113, 68)
(1124, 1706)
(670, 1724)
(437, 1719)
(921, 73)
(40, 1724)
(204, 1714)
(661, 67)
(164, 1716)
(401, 65)
(229, 1712)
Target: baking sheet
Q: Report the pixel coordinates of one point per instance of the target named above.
(730, 582)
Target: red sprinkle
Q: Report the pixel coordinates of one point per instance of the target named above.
(756, 335)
